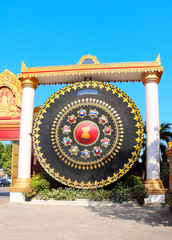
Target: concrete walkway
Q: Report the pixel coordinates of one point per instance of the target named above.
(93, 222)
(4, 195)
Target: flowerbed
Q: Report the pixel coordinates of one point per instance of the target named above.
(127, 190)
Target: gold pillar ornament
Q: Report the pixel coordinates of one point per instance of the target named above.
(169, 144)
(29, 82)
(153, 77)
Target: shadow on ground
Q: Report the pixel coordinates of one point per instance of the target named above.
(151, 215)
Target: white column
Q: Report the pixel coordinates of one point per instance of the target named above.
(150, 81)
(152, 130)
(25, 144)
(24, 165)
(155, 188)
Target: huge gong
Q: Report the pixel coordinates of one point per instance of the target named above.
(88, 134)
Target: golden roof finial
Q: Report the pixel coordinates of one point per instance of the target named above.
(90, 57)
(23, 68)
(158, 60)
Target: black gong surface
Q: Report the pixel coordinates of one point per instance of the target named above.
(88, 134)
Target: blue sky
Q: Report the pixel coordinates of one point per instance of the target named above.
(47, 33)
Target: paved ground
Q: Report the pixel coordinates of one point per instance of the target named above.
(4, 195)
(119, 222)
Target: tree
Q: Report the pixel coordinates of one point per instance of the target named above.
(165, 137)
(6, 157)
(1, 152)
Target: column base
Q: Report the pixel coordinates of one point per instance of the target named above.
(16, 197)
(155, 190)
(17, 189)
(20, 184)
(154, 187)
(156, 198)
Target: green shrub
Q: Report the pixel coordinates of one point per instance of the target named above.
(133, 181)
(29, 192)
(130, 188)
(63, 194)
(120, 193)
(57, 194)
(38, 183)
(99, 194)
(43, 194)
(139, 192)
(83, 194)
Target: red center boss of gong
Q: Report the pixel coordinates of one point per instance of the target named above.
(86, 133)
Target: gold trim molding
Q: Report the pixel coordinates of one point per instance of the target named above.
(29, 82)
(10, 126)
(151, 77)
(9, 122)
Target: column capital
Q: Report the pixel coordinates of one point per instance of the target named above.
(151, 77)
(29, 82)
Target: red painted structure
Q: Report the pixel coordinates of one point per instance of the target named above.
(10, 106)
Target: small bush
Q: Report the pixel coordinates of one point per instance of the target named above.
(120, 193)
(99, 195)
(140, 193)
(38, 183)
(83, 194)
(133, 181)
(57, 194)
(29, 192)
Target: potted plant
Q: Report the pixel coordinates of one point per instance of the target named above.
(140, 193)
(28, 193)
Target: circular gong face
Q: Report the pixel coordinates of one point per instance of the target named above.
(88, 134)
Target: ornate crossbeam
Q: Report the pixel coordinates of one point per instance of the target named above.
(89, 67)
